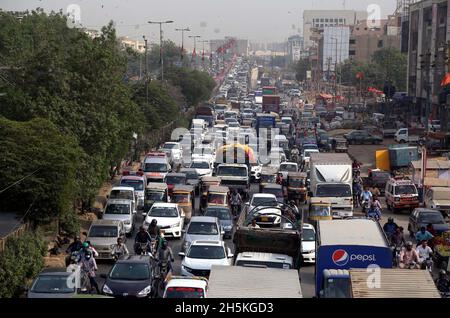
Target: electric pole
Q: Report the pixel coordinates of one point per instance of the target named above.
(146, 70)
(182, 40)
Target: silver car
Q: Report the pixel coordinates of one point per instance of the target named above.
(53, 283)
(202, 228)
(103, 236)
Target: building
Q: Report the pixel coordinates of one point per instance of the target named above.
(429, 35)
(295, 48)
(319, 19)
(369, 36)
(335, 48)
(92, 33)
(138, 46)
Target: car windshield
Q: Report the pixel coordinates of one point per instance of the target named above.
(333, 190)
(164, 212)
(308, 153)
(121, 194)
(117, 209)
(103, 231)
(175, 180)
(130, 271)
(433, 218)
(288, 167)
(200, 165)
(180, 198)
(405, 189)
(206, 252)
(264, 201)
(54, 284)
(202, 228)
(155, 196)
(268, 178)
(155, 167)
(138, 185)
(308, 235)
(221, 214)
(296, 183)
(169, 146)
(232, 171)
(277, 192)
(191, 174)
(184, 292)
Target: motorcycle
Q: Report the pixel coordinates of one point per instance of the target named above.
(365, 204)
(427, 264)
(141, 248)
(396, 253)
(374, 214)
(159, 279)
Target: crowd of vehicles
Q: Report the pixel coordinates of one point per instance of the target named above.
(199, 192)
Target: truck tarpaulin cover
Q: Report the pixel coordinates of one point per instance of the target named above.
(236, 151)
(267, 241)
(325, 96)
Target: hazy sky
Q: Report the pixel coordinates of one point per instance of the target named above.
(256, 20)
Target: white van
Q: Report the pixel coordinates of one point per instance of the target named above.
(199, 123)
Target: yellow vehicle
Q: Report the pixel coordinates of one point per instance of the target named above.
(155, 192)
(218, 196)
(268, 175)
(184, 196)
(296, 186)
(319, 209)
(206, 182)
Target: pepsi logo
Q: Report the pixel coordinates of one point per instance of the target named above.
(340, 257)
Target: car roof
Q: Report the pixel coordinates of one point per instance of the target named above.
(176, 174)
(55, 271)
(118, 201)
(182, 281)
(308, 226)
(425, 210)
(208, 243)
(122, 188)
(134, 259)
(264, 195)
(208, 219)
(164, 205)
(141, 178)
(105, 222)
(274, 257)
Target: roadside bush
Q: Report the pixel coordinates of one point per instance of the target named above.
(21, 260)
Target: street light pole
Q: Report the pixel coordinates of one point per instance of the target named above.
(203, 53)
(335, 72)
(146, 71)
(182, 39)
(195, 37)
(161, 60)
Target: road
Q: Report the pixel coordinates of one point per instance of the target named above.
(363, 153)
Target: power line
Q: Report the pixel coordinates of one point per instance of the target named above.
(20, 180)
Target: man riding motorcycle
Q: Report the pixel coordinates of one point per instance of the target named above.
(390, 227)
(236, 201)
(366, 198)
(119, 249)
(409, 257)
(142, 237)
(165, 258)
(443, 282)
(295, 154)
(425, 252)
(374, 211)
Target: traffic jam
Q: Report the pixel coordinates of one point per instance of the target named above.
(266, 195)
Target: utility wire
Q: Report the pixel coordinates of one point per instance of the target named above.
(20, 180)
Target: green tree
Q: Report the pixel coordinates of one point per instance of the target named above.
(300, 69)
(392, 65)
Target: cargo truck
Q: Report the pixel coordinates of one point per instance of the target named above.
(331, 178)
(345, 244)
(271, 103)
(205, 112)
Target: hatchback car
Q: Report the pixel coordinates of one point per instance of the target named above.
(53, 283)
(169, 216)
(201, 255)
(202, 228)
(422, 217)
(224, 216)
(130, 276)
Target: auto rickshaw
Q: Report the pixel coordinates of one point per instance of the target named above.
(268, 175)
(341, 145)
(184, 196)
(296, 186)
(206, 182)
(319, 209)
(155, 192)
(218, 196)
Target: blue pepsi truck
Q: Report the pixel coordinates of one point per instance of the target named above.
(345, 244)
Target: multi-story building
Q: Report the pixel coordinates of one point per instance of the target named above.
(136, 45)
(319, 19)
(295, 48)
(428, 43)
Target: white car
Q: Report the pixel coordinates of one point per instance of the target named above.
(287, 167)
(201, 255)
(265, 203)
(308, 243)
(186, 287)
(202, 166)
(169, 216)
(173, 150)
(205, 153)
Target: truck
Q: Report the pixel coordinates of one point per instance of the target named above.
(253, 282)
(344, 244)
(205, 112)
(234, 176)
(403, 136)
(331, 178)
(271, 103)
(390, 283)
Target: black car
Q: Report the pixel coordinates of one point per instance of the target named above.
(362, 137)
(131, 276)
(192, 178)
(225, 218)
(422, 217)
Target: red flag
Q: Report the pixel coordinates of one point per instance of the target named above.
(360, 75)
(445, 80)
(203, 55)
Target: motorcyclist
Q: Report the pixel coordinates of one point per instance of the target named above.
(374, 211)
(153, 228)
(89, 265)
(356, 165)
(423, 235)
(409, 257)
(390, 227)
(75, 246)
(119, 249)
(236, 201)
(366, 196)
(357, 188)
(425, 252)
(295, 153)
(142, 237)
(279, 179)
(398, 239)
(165, 256)
(443, 282)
